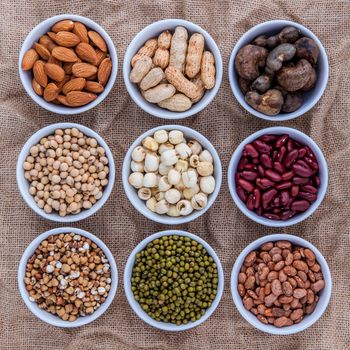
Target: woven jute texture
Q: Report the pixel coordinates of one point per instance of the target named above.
(226, 124)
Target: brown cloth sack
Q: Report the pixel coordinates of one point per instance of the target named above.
(119, 121)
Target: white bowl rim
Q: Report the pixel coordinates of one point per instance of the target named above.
(33, 36)
(21, 181)
(281, 116)
(208, 96)
(140, 206)
(45, 315)
(307, 140)
(136, 306)
(309, 320)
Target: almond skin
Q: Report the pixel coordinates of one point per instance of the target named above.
(54, 71)
(29, 58)
(100, 56)
(54, 61)
(76, 84)
(93, 86)
(79, 98)
(81, 31)
(37, 87)
(42, 51)
(64, 54)
(63, 99)
(47, 42)
(83, 70)
(97, 40)
(50, 92)
(65, 25)
(39, 73)
(66, 39)
(104, 71)
(62, 83)
(86, 53)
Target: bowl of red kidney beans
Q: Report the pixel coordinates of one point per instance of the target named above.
(278, 176)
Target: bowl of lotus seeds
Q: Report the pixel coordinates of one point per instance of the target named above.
(65, 172)
(173, 280)
(172, 174)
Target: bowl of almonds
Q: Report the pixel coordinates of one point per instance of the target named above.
(281, 284)
(68, 64)
(172, 69)
(67, 277)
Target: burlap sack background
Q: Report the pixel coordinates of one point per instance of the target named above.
(225, 123)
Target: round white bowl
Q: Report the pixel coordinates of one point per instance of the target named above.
(152, 31)
(140, 205)
(23, 183)
(47, 316)
(27, 76)
(310, 98)
(309, 320)
(298, 136)
(136, 306)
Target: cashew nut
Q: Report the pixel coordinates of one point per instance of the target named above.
(269, 103)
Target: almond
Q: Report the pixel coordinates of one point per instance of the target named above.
(54, 60)
(81, 31)
(67, 67)
(64, 54)
(97, 40)
(62, 83)
(100, 56)
(76, 84)
(65, 25)
(39, 73)
(86, 52)
(83, 70)
(63, 99)
(79, 98)
(47, 42)
(93, 86)
(66, 39)
(37, 87)
(104, 71)
(54, 71)
(92, 78)
(29, 58)
(42, 51)
(50, 92)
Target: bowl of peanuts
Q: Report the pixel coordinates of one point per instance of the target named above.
(172, 69)
(67, 277)
(68, 64)
(65, 172)
(281, 284)
(278, 176)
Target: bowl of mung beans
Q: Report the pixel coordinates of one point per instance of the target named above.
(65, 172)
(173, 280)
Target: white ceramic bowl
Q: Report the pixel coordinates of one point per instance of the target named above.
(45, 315)
(136, 306)
(298, 136)
(310, 98)
(309, 320)
(152, 31)
(23, 183)
(140, 205)
(27, 76)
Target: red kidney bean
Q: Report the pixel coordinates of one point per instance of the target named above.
(250, 166)
(243, 161)
(237, 176)
(311, 197)
(255, 160)
(271, 216)
(264, 183)
(311, 163)
(246, 185)
(276, 210)
(266, 161)
(301, 205)
(251, 151)
(290, 145)
(268, 138)
(300, 180)
(281, 141)
(283, 185)
(290, 158)
(241, 194)
(281, 154)
(288, 175)
(279, 167)
(276, 202)
(268, 196)
(274, 155)
(249, 175)
(272, 175)
(284, 198)
(301, 153)
(256, 198)
(250, 202)
(301, 170)
(294, 191)
(262, 147)
(309, 188)
(298, 145)
(261, 170)
(287, 214)
(259, 211)
(309, 152)
(316, 180)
